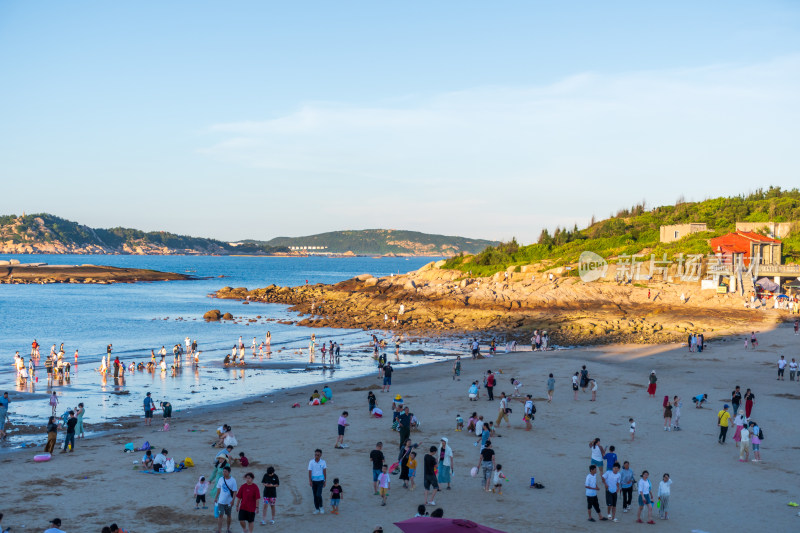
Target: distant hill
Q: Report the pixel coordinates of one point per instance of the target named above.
(48, 234)
(636, 230)
(383, 241)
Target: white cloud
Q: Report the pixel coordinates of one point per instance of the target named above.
(496, 161)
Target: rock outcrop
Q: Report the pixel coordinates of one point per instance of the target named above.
(433, 300)
(213, 315)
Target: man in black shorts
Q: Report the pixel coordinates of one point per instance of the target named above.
(247, 503)
(387, 377)
(430, 482)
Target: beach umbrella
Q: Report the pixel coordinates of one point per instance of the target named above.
(426, 524)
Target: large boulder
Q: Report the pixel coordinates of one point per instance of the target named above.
(212, 315)
(227, 316)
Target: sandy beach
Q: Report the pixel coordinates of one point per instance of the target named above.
(712, 491)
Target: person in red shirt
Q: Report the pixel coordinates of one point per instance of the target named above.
(490, 383)
(247, 502)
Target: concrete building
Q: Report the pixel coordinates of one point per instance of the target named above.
(678, 231)
(776, 230)
(745, 245)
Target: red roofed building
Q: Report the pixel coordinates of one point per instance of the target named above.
(746, 245)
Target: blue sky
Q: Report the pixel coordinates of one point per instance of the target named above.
(258, 119)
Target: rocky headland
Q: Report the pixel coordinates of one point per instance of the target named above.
(16, 273)
(435, 301)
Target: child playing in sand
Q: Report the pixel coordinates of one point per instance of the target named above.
(459, 423)
(497, 479)
(336, 494)
(593, 382)
(633, 429)
(147, 460)
(412, 470)
(471, 422)
(517, 385)
(383, 483)
(200, 491)
(244, 461)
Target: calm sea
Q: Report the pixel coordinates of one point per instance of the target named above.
(136, 318)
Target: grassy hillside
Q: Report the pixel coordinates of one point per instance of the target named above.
(636, 230)
(46, 228)
(384, 241)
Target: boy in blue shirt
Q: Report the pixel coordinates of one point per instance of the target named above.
(610, 458)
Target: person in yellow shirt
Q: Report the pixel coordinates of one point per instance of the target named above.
(723, 419)
(412, 469)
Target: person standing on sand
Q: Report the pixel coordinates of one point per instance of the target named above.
(749, 400)
(551, 386)
(317, 475)
(575, 385)
(52, 433)
(597, 454)
(626, 481)
(405, 469)
(744, 444)
(247, 499)
(79, 415)
(503, 410)
(404, 425)
(676, 412)
(487, 461)
(668, 416)
(490, 383)
(429, 472)
(736, 399)
(781, 367)
(611, 480)
(584, 378)
(226, 492)
(528, 413)
(792, 369)
(723, 419)
(591, 494)
(645, 498)
(457, 368)
(651, 388)
(755, 441)
(69, 439)
(387, 377)
(342, 424)
(148, 409)
(270, 482)
(446, 462)
(377, 458)
(663, 497)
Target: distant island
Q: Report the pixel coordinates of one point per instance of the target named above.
(39, 273)
(44, 233)
(379, 241)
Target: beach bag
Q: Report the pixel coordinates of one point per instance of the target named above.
(169, 465)
(188, 462)
(129, 447)
(145, 446)
(760, 434)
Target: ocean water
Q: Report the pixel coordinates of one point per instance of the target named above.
(136, 318)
